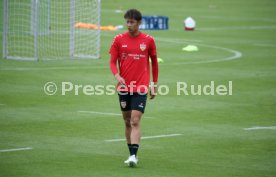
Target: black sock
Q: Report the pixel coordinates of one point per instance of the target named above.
(129, 148)
(134, 149)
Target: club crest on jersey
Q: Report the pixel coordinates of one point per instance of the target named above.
(143, 46)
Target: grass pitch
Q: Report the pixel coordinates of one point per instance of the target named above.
(69, 143)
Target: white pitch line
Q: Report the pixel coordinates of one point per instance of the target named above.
(17, 149)
(53, 68)
(101, 113)
(264, 45)
(107, 113)
(261, 128)
(145, 137)
(236, 54)
(242, 19)
(239, 28)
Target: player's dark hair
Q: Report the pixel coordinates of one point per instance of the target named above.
(133, 14)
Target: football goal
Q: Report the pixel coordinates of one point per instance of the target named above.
(46, 29)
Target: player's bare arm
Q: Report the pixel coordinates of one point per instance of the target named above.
(120, 79)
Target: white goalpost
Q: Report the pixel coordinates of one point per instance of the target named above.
(46, 29)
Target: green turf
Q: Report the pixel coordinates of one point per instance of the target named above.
(213, 143)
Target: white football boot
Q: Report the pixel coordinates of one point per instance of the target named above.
(127, 161)
(132, 161)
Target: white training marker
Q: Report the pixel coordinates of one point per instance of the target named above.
(261, 128)
(17, 149)
(145, 137)
(118, 11)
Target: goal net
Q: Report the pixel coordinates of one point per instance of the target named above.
(46, 29)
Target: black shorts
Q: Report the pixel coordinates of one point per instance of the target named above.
(132, 101)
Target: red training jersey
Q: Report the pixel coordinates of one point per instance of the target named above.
(132, 55)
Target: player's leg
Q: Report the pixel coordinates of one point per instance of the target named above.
(135, 126)
(135, 137)
(124, 99)
(138, 103)
(127, 117)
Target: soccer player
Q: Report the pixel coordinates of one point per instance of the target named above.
(132, 51)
